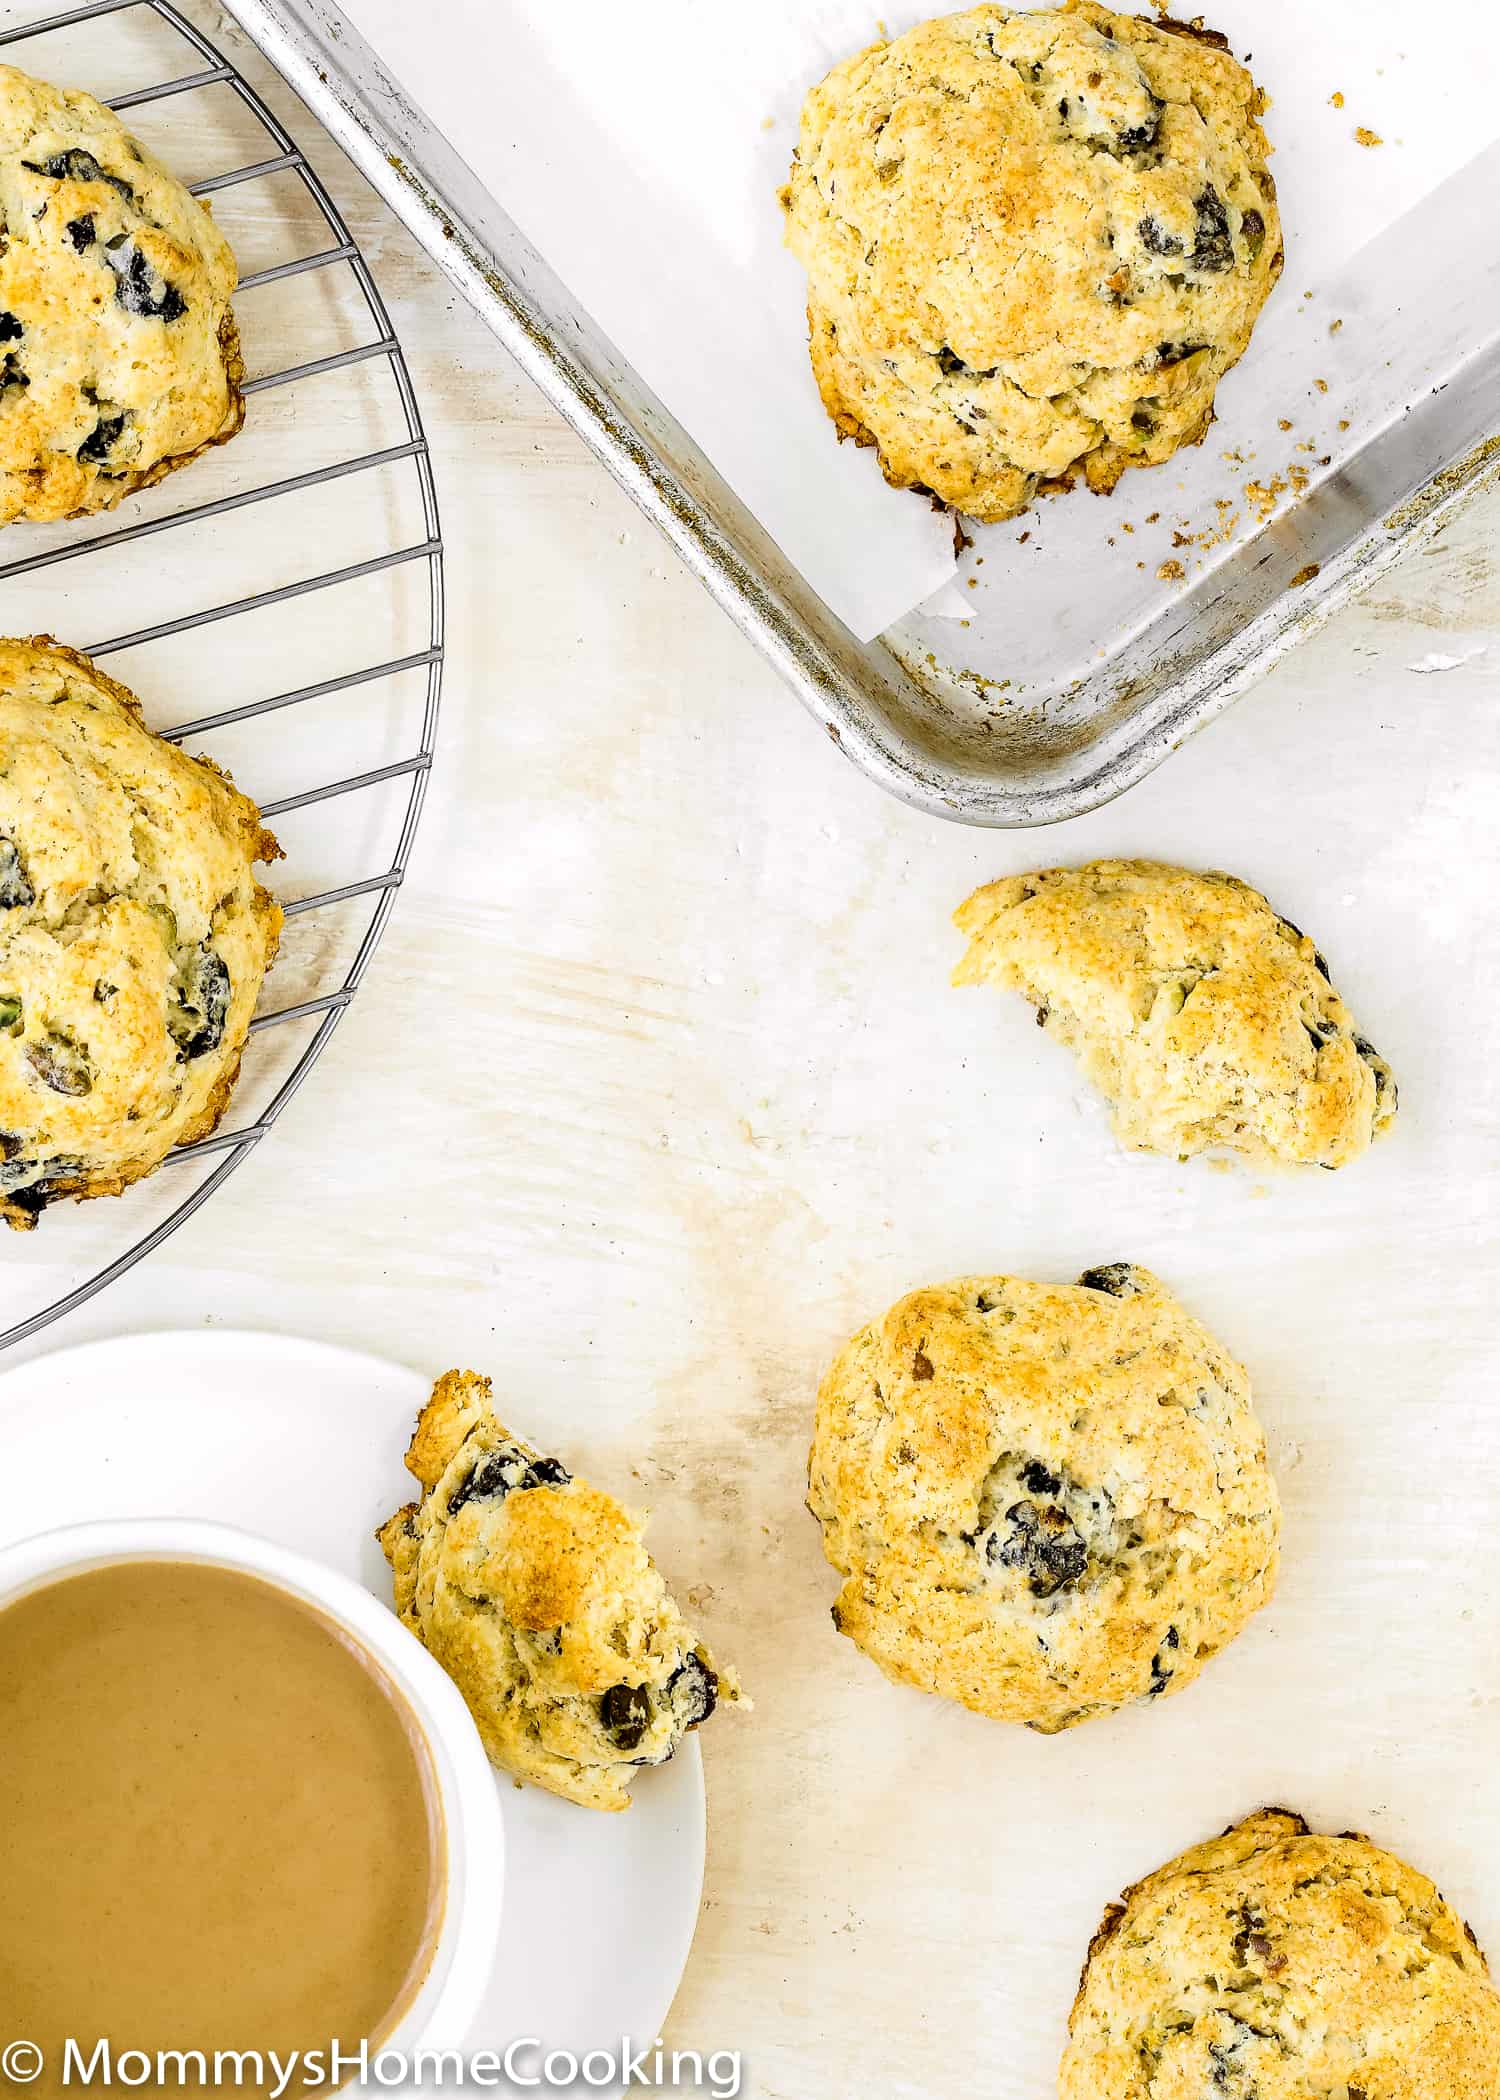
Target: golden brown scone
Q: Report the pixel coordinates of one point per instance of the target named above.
(1034, 244)
(133, 934)
(537, 1595)
(1046, 1500)
(1204, 1018)
(1271, 1964)
(119, 356)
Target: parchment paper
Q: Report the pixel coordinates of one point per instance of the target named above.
(640, 148)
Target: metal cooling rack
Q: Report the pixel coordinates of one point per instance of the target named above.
(227, 1149)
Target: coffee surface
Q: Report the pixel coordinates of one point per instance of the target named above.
(217, 1822)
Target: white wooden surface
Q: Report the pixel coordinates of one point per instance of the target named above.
(658, 1088)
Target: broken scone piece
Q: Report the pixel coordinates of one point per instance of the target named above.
(537, 1595)
(1205, 1018)
(1273, 1964)
(1046, 1500)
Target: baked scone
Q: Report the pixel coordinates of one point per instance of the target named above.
(1034, 244)
(119, 356)
(133, 934)
(1046, 1500)
(536, 1593)
(1270, 1964)
(1204, 1018)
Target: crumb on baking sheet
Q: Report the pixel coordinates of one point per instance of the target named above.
(1337, 99)
(1152, 516)
(1321, 385)
(1367, 137)
(1171, 572)
(1283, 422)
(1343, 422)
(1335, 326)
(1305, 575)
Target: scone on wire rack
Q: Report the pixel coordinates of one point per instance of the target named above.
(119, 355)
(1273, 1964)
(1205, 1019)
(536, 1593)
(1046, 1500)
(134, 935)
(1035, 242)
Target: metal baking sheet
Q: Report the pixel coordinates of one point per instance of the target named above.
(1082, 643)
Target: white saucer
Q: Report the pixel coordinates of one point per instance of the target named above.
(303, 1443)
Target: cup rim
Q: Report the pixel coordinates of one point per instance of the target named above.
(445, 2004)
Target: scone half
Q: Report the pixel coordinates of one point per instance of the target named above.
(535, 1592)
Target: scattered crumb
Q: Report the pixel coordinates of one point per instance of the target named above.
(1152, 516)
(1437, 660)
(1343, 422)
(1283, 422)
(1264, 495)
(1127, 526)
(1305, 575)
(1335, 326)
(1321, 385)
(768, 123)
(1140, 565)
(1182, 539)
(1336, 99)
(973, 583)
(1171, 572)
(1025, 536)
(1366, 137)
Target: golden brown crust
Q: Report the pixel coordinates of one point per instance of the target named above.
(1035, 242)
(1270, 1964)
(134, 936)
(119, 355)
(1206, 1019)
(1046, 1501)
(536, 1593)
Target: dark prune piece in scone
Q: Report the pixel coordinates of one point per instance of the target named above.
(119, 355)
(1273, 1964)
(1035, 242)
(1205, 1019)
(536, 1593)
(1046, 1500)
(134, 936)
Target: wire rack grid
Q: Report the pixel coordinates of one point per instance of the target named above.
(215, 1158)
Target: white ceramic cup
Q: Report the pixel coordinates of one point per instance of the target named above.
(442, 2013)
